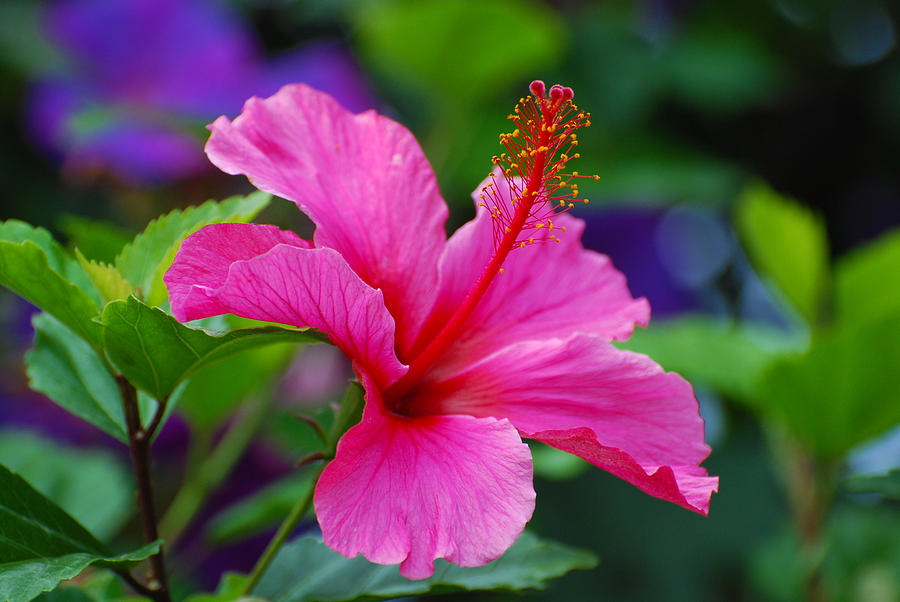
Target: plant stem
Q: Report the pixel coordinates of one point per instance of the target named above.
(811, 486)
(211, 472)
(284, 531)
(139, 445)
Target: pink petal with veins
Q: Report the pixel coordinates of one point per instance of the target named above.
(363, 180)
(411, 490)
(294, 286)
(617, 409)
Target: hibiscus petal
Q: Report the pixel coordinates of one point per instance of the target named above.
(362, 179)
(617, 409)
(410, 490)
(290, 285)
(546, 289)
(205, 256)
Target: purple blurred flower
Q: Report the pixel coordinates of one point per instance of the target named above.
(144, 77)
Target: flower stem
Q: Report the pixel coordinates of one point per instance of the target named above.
(139, 440)
(211, 472)
(810, 486)
(284, 531)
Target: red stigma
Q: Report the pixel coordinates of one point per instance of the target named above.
(537, 151)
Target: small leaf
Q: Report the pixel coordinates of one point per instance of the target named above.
(307, 569)
(144, 261)
(788, 243)
(844, 390)
(33, 266)
(66, 369)
(41, 545)
(105, 278)
(99, 494)
(156, 352)
(865, 280)
(887, 485)
(728, 358)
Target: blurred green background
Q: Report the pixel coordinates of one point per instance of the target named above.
(709, 119)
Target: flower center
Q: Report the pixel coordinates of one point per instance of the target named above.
(537, 151)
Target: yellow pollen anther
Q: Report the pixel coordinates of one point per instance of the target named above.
(539, 225)
(574, 175)
(531, 240)
(501, 270)
(551, 225)
(522, 246)
(564, 229)
(596, 177)
(573, 204)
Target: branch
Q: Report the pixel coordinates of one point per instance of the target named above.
(139, 445)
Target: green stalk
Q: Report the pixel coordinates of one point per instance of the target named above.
(284, 531)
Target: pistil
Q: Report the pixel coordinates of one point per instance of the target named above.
(545, 126)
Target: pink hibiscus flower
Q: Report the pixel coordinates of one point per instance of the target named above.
(464, 345)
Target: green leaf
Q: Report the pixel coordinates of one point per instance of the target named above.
(844, 390)
(35, 267)
(410, 42)
(99, 240)
(865, 280)
(65, 369)
(98, 494)
(262, 510)
(887, 485)
(788, 243)
(156, 352)
(727, 358)
(307, 569)
(144, 261)
(105, 278)
(41, 545)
